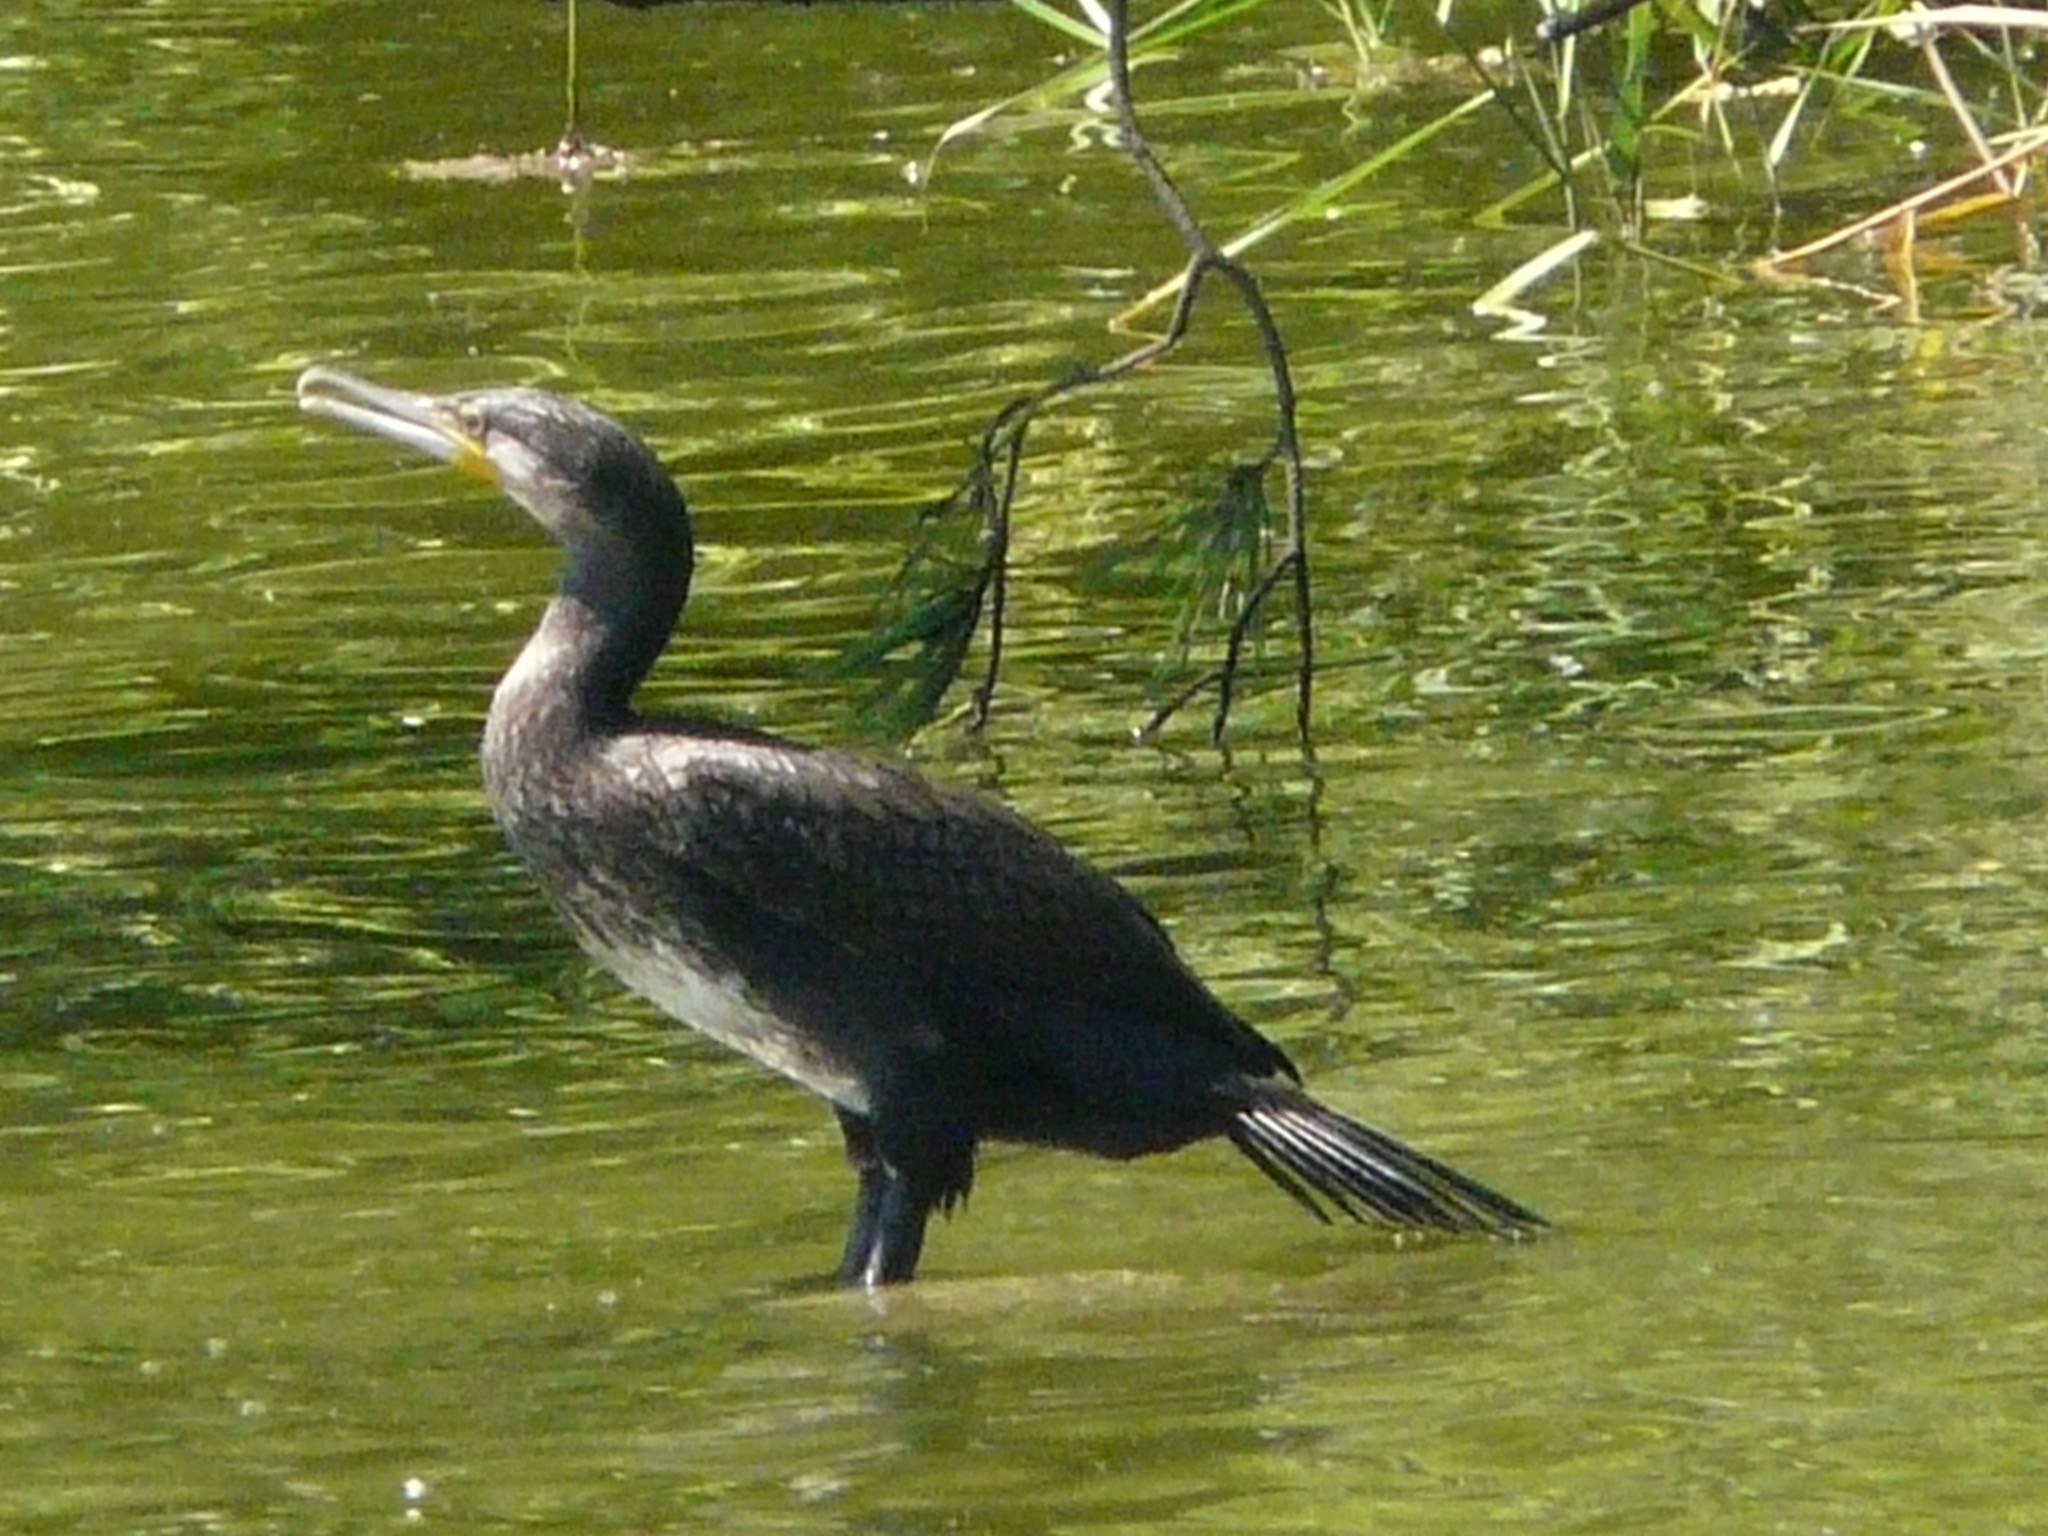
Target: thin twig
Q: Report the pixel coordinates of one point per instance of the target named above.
(1561, 25)
(1004, 440)
(1930, 51)
(993, 493)
(2030, 144)
(1207, 256)
(995, 571)
(573, 133)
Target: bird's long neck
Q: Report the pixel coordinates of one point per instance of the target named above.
(574, 680)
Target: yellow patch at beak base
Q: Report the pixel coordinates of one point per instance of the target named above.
(471, 460)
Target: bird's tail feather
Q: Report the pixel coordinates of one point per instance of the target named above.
(1318, 1156)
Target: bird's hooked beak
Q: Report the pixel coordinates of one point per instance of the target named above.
(436, 426)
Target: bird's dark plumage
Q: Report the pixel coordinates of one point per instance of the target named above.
(938, 968)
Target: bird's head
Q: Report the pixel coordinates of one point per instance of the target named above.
(583, 477)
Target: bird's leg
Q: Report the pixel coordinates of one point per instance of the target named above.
(866, 1157)
(898, 1236)
(904, 1176)
(887, 1235)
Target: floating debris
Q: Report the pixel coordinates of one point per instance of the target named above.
(573, 164)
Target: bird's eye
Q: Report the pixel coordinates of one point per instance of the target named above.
(471, 420)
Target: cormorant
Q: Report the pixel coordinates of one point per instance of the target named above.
(939, 969)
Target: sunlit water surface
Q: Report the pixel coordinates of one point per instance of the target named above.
(1671, 853)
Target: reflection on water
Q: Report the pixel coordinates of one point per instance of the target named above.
(1671, 853)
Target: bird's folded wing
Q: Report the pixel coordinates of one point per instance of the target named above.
(832, 863)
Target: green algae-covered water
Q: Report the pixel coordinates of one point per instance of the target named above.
(1671, 853)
